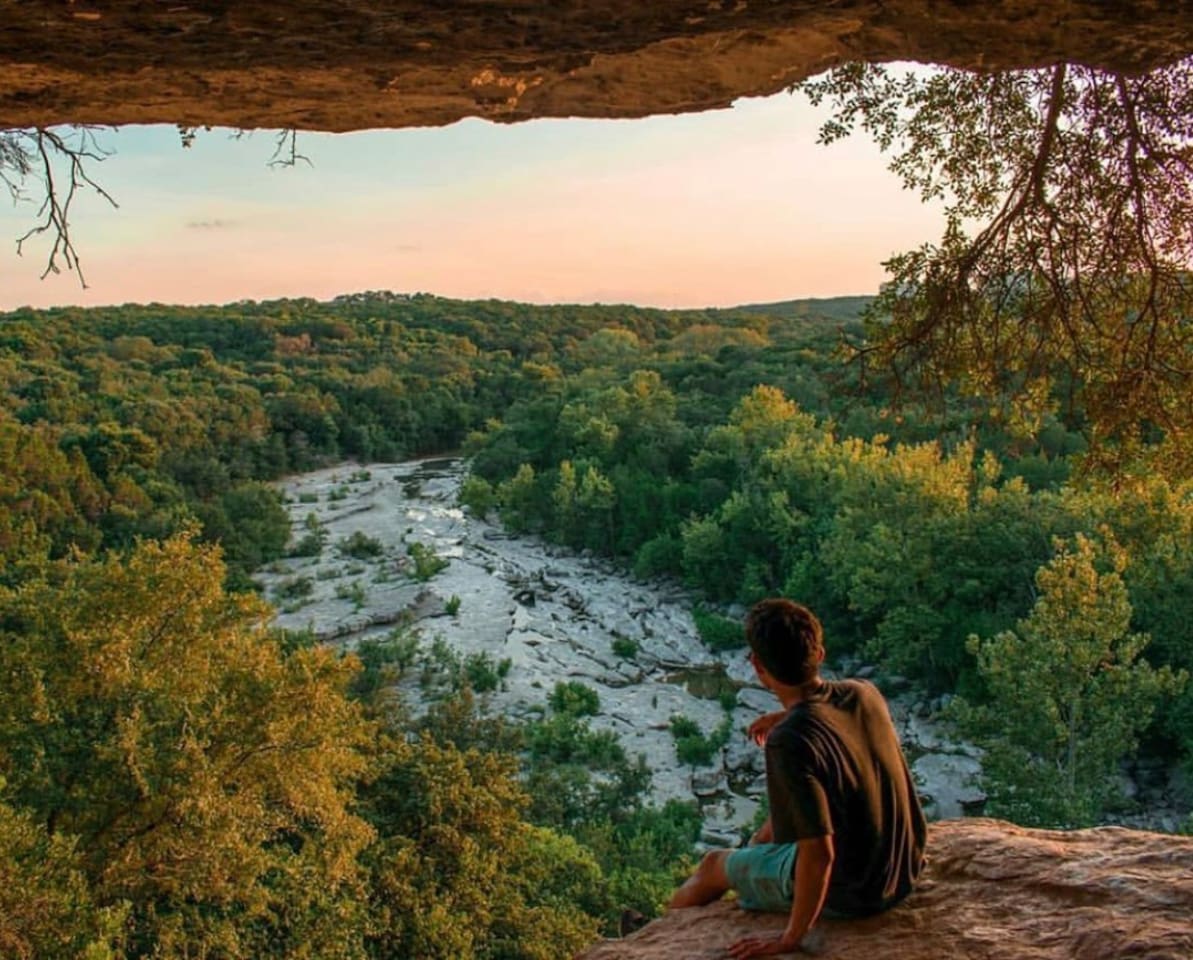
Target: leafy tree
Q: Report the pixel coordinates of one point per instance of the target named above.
(477, 495)
(578, 775)
(564, 502)
(644, 855)
(1068, 693)
(518, 496)
(595, 502)
(206, 774)
(249, 523)
(1076, 282)
(456, 872)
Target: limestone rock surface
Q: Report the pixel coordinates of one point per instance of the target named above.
(993, 891)
(353, 64)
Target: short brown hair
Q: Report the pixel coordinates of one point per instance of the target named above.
(787, 638)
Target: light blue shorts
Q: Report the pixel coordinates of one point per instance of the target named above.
(763, 876)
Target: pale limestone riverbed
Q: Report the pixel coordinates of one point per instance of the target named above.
(554, 616)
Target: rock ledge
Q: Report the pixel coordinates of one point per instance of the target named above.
(993, 891)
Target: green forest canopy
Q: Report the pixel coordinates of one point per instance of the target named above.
(729, 448)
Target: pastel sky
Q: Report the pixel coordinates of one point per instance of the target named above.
(712, 209)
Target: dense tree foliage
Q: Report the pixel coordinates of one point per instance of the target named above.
(1070, 693)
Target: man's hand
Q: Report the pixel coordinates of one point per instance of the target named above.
(760, 729)
(762, 946)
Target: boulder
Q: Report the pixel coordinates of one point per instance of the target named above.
(951, 781)
(709, 783)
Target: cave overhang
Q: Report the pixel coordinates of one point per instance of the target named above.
(356, 64)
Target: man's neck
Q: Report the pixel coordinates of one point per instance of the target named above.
(789, 696)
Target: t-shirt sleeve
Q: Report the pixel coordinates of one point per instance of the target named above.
(798, 803)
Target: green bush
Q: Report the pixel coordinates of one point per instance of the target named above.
(360, 546)
(718, 633)
(444, 671)
(426, 562)
(625, 647)
(574, 699)
(311, 545)
(383, 660)
(693, 747)
(440, 669)
(482, 674)
(353, 592)
(566, 738)
(294, 588)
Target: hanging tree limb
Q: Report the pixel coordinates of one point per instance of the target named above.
(1065, 273)
(58, 163)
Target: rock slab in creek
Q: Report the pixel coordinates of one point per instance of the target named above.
(992, 891)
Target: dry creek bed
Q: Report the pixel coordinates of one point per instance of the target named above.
(555, 615)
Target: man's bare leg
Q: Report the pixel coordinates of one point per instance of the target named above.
(707, 884)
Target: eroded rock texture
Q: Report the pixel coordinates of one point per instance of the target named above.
(993, 892)
(351, 64)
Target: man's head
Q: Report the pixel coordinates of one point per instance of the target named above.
(786, 639)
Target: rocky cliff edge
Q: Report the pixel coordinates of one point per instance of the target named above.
(992, 891)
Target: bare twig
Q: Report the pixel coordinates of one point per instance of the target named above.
(44, 154)
(285, 151)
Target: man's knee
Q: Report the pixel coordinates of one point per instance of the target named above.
(706, 884)
(712, 864)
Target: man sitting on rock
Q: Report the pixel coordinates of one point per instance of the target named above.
(846, 832)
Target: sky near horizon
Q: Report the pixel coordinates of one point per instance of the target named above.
(711, 209)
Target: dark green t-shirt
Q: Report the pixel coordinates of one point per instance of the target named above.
(834, 766)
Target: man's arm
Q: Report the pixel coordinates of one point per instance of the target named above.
(764, 834)
(813, 867)
(760, 729)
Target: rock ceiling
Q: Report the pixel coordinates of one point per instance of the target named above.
(352, 64)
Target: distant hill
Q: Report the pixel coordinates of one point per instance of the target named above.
(829, 308)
